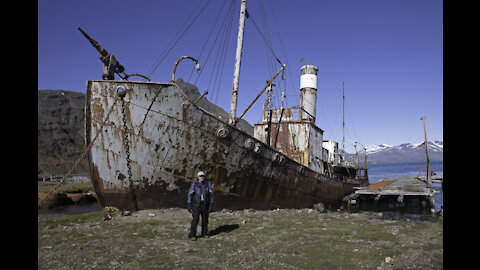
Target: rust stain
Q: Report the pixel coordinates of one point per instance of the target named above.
(380, 184)
(98, 183)
(175, 141)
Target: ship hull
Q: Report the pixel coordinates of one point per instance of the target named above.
(147, 152)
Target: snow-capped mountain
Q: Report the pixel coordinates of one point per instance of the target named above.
(406, 152)
(432, 146)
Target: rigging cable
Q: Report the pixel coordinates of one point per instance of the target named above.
(211, 49)
(208, 36)
(218, 63)
(352, 126)
(270, 53)
(224, 25)
(277, 80)
(284, 54)
(331, 132)
(178, 39)
(256, 27)
(224, 50)
(271, 67)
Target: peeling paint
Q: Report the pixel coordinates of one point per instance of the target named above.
(171, 139)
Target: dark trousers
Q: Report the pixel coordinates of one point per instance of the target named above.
(196, 213)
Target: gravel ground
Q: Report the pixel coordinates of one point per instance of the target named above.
(248, 239)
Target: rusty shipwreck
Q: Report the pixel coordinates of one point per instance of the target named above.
(147, 140)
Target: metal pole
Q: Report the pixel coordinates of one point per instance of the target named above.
(356, 152)
(200, 97)
(261, 92)
(269, 126)
(278, 130)
(364, 149)
(197, 66)
(356, 159)
(343, 127)
(429, 178)
(279, 122)
(238, 57)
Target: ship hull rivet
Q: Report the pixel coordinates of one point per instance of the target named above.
(249, 144)
(257, 148)
(222, 133)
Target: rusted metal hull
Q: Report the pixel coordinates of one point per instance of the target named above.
(170, 139)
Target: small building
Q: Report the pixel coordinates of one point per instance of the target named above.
(333, 155)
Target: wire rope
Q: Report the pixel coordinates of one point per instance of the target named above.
(222, 29)
(289, 77)
(224, 57)
(212, 47)
(178, 39)
(174, 38)
(208, 36)
(217, 70)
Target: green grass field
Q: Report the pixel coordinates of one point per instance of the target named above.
(285, 239)
(45, 187)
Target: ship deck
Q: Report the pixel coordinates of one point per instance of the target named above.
(407, 185)
(394, 189)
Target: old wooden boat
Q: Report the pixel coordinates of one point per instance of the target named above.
(147, 141)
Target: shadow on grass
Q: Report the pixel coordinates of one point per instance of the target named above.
(224, 228)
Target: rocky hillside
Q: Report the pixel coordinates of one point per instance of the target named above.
(61, 131)
(192, 91)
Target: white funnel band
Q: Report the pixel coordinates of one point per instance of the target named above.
(308, 81)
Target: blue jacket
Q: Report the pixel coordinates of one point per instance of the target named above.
(201, 191)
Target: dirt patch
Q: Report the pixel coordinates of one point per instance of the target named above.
(248, 239)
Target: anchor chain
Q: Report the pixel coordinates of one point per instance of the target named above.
(127, 144)
(127, 151)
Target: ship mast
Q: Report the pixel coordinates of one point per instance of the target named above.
(238, 56)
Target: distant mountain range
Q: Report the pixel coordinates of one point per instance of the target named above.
(407, 152)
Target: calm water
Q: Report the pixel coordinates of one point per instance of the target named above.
(73, 209)
(379, 171)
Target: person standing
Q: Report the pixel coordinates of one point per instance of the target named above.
(200, 202)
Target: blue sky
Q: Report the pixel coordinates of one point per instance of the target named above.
(389, 54)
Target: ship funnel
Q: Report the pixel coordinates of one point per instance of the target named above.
(308, 92)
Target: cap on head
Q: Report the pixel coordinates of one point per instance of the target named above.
(200, 174)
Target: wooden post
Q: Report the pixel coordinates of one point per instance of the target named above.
(429, 177)
(343, 121)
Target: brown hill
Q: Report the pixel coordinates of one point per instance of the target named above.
(61, 132)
